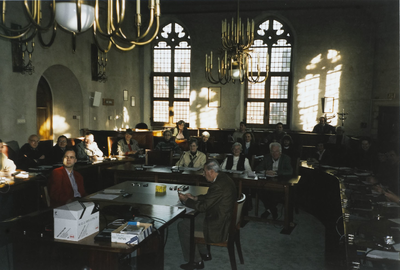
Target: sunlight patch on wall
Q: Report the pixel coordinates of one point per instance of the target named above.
(59, 124)
(308, 100)
(125, 116)
(332, 90)
(207, 116)
(322, 80)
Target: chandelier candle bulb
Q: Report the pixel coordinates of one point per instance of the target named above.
(137, 6)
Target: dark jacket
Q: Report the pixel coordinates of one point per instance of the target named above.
(218, 206)
(284, 167)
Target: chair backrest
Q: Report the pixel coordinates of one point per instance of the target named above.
(112, 145)
(155, 157)
(237, 213)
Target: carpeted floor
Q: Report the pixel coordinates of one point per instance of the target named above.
(264, 247)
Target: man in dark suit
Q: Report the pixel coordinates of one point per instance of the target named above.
(66, 184)
(275, 164)
(216, 209)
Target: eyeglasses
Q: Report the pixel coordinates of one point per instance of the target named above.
(34, 141)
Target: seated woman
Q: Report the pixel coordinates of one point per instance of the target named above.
(7, 166)
(192, 158)
(168, 144)
(180, 132)
(249, 146)
(128, 146)
(237, 162)
(58, 151)
(204, 144)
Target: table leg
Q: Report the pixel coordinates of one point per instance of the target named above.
(192, 244)
(288, 224)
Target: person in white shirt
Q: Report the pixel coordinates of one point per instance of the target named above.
(7, 166)
(237, 162)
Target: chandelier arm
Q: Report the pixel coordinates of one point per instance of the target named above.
(78, 13)
(120, 33)
(150, 24)
(96, 25)
(2, 25)
(98, 44)
(35, 19)
(151, 39)
(53, 36)
(125, 49)
(15, 37)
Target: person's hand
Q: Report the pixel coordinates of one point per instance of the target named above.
(42, 157)
(378, 189)
(391, 196)
(271, 173)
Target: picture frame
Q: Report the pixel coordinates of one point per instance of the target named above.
(125, 95)
(214, 97)
(327, 104)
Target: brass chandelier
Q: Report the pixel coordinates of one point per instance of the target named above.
(77, 16)
(236, 61)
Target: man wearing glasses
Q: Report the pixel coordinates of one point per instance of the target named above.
(30, 155)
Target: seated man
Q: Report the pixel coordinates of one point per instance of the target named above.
(274, 164)
(238, 134)
(323, 127)
(278, 133)
(237, 162)
(7, 166)
(128, 146)
(30, 155)
(192, 158)
(216, 209)
(88, 149)
(322, 156)
(204, 144)
(168, 144)
(65, 184)
(58, 151)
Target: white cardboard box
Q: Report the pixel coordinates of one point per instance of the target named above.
(118, 237)
(74, 222)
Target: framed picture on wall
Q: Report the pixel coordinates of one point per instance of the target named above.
(214, 97)
(327, 104)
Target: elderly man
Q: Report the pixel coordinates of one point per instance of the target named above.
(7, 166)
(30, 155)
(168, 144)
(323, 127)
(237, 162)
(274, 164)
(128, 146)
(192, 158)
(88, 149)
(216, 209)
(65, 184)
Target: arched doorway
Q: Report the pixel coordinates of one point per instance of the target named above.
(44, 110)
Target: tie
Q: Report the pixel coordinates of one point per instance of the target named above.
(192, 158)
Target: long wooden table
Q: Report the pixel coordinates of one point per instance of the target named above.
(164, 174)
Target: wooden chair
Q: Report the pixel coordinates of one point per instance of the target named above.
(233, 237)
(155, 157)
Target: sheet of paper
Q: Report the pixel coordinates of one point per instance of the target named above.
(379, 254)
(104, 196)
